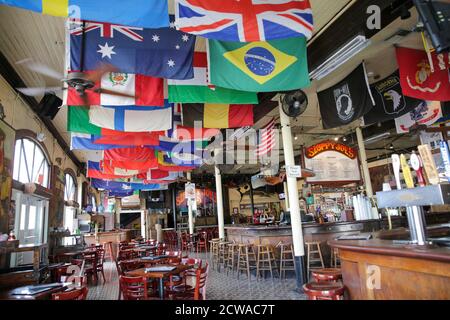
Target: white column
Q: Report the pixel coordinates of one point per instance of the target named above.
(220, 219)
(363, 158)
(190, 217)
(286, 195)
(296, 222)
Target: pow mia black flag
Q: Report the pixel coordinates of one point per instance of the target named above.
(346, 101)
(390, 103)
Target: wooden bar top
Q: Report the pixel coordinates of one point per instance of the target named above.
(390, 248)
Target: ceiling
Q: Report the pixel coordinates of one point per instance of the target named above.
(24, 34)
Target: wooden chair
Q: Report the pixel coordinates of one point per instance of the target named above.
(127, 254)
(182, 280)
(89, 270)
(99, 262)
(202, 243)
(133, 288)
(76, 294)
(174, 253)
(198, 292)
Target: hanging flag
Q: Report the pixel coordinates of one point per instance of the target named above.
(94, 170)
(277, 65)
(390, 102)
(120, 194)
(427, 113)
(197, 90)
(136, 13)
(127, 168)
(82, 141)
(131, 118)
(267, 140)
(417, 77)
(78, 121)
(184, 159)
(166, 166)
(218, 115)
(180, 133)
(130, 139)
(346, 101)
(163, 53)
(246, 20)
(125, 186)
(144, 91)
(124, 154)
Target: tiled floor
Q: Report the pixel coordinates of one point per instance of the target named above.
(219, 286)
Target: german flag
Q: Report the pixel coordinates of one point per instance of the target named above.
(218, 116)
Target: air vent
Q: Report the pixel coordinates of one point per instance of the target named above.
(398, 36)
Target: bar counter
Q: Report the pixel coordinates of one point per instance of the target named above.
(273, 234)
(382, 269)
(109, 236)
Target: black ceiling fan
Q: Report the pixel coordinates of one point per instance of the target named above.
(80, 81)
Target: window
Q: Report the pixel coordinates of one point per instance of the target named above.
(70, 188)
(69, 212)
(30, 163)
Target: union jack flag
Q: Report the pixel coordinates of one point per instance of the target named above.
(245, 20)
(106, 29)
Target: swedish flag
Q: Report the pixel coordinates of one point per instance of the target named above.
(135, 13)
(276, 65)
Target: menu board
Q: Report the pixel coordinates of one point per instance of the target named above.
(332, 162)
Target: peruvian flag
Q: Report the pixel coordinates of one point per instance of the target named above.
(421, 80)
(144, 91)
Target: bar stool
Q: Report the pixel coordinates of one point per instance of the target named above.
(246, 259)
(264, 261)
(214, 253)
(230, 264)
(324, 290)
(327, 274)
(334, 259)
(314, 255)
(109, 252)
(287, 262)
(222, 254)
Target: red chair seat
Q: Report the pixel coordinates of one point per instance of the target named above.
(324, 290)
(327, 274)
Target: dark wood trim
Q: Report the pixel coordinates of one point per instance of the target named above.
(40, 190)
(14, 80)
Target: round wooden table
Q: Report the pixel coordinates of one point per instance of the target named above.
(159, 274)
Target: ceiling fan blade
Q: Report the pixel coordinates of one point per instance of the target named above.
(115, 93)
(96, 76)
(39, 91)
(41, 68)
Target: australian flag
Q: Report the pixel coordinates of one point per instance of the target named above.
(164, 52)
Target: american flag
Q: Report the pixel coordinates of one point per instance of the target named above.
(245, 20)
(267, 140)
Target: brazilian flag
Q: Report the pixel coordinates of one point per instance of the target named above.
(276, 65)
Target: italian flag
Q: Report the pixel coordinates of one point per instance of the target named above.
(197, 90)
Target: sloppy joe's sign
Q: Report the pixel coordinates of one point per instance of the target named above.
(325, 146)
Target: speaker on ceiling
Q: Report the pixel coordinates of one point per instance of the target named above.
(435, 16)
(49, 105)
